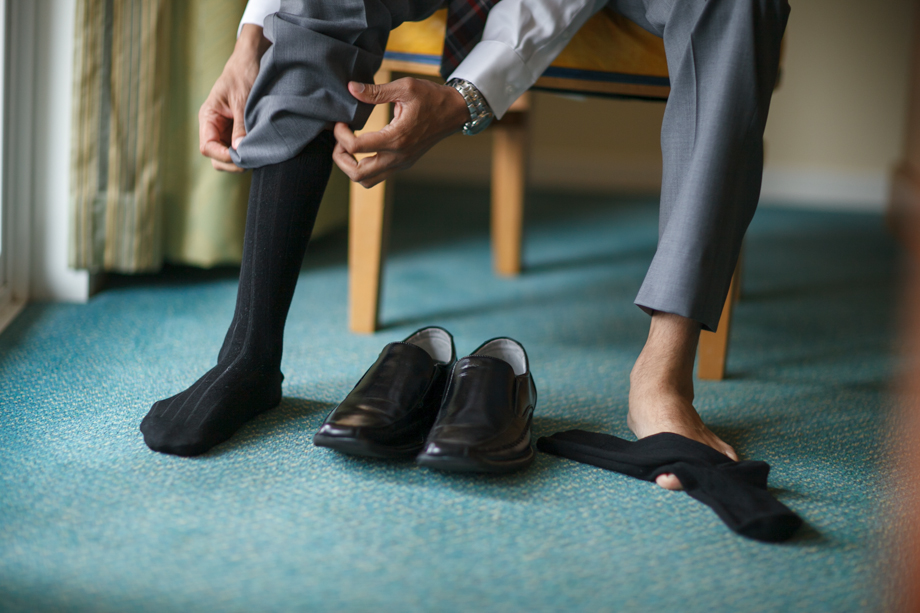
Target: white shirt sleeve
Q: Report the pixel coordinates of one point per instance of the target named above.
(256, 12)
(521, 39)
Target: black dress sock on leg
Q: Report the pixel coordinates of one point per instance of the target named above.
(246, 381)
(736, 491)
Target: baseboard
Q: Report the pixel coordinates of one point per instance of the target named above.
(834, 190)
(904, 205)
(9, 311)
(860, 191)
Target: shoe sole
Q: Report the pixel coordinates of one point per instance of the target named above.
(365, 448)
(466, 464)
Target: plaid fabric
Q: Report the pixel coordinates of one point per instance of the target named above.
(466, 19)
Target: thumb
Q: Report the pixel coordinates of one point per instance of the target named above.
(239, 127)
(373, 93)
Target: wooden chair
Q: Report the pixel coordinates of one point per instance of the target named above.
(609, 56)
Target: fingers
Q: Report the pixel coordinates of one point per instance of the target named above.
(344, 137)
(368, 171)
(216, 151)
(221, 122)
(213, 133)
(344, 160)
(225, 167)
(386, 139)
(239, 126)
(395, 146)
(373, 93)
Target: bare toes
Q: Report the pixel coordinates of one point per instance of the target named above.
(669, 482)
(727, 450)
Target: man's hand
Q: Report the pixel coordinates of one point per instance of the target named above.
(220, 120)
(423, 114)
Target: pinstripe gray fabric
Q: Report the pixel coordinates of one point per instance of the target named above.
(302, 85)
(723, 57)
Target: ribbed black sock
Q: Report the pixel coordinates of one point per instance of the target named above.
(246, 381)
(736, 491)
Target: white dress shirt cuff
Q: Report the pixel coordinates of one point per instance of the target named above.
(256, 12)
(498, 72)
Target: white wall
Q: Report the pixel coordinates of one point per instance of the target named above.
(50, 278)
(838, 121)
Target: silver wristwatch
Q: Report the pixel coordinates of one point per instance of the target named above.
(481, 114)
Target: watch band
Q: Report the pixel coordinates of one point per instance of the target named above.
(481, 114)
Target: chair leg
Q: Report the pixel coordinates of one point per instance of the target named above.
(368, 230)
(713, 349)
(509, 178)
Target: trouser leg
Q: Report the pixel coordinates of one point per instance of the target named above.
(302, 87)
(723, 58)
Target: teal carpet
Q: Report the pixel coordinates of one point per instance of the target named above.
(90, 520)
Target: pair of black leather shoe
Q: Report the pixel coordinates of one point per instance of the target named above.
(418, 400)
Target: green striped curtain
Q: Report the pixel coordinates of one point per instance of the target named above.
(140, 191)
(204, 210)
(117, 120)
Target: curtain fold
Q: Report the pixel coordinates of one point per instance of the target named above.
(117, 121)
(141, 193)
(204, 210)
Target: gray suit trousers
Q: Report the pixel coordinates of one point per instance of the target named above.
(723, 58)
(302, 87)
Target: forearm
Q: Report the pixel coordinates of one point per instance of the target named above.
(251, 42)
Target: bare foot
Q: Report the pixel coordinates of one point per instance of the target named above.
(661, 388)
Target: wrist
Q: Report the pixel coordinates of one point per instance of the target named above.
(458, 113)
(251, 42)
(478, 109)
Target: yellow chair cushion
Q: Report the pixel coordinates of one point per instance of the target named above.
(609, 55)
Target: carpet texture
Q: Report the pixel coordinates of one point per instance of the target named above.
(91, 520)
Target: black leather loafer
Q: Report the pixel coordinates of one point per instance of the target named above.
(391, 409)
(484, 424)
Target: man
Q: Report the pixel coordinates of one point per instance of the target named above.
(312, 68)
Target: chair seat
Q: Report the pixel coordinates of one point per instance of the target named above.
(609, 55)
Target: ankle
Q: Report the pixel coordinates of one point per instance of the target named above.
(251, 360)
(654, 375)
(665, 366)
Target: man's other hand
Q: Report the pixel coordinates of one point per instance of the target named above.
(424, 113)
(220, 120)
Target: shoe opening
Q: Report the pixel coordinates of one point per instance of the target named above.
(508, 350)
(436, 341)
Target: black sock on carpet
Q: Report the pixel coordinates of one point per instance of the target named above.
(736, 491)
(246, 381)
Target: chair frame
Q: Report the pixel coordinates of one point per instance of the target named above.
(370, 209)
